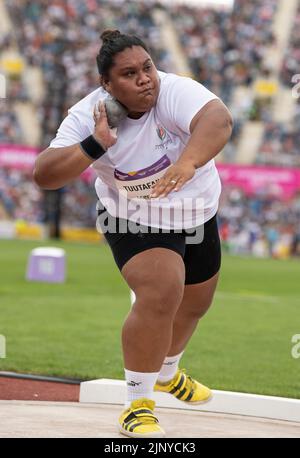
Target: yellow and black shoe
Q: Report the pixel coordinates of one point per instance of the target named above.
(186, 389)
(139, 421)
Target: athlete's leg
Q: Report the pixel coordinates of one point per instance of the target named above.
(202, 264)
(157, 278)
(195, 303)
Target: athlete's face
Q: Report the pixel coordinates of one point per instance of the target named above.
(133, 80)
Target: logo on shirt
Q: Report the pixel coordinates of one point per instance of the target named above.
(164, 137)
(161, 132)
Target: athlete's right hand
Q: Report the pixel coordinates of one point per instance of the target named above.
(102, 133)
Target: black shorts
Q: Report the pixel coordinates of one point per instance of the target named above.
(202, 259)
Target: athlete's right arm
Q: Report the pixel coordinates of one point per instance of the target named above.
(55, 167)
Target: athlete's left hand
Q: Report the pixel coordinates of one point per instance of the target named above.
(174, 178)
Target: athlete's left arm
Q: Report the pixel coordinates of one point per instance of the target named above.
(211, 129)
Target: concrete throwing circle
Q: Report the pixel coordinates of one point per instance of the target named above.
(64, 419)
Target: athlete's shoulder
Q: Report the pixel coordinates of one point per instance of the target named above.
(173, 85)
(168, 80)
(86, 105)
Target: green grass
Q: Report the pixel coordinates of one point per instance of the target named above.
(73, 329)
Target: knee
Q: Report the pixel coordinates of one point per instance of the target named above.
(159, 300)
(197, 309)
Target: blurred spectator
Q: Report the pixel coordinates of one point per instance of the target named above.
(79, 205)
(22, 199)
(11, 67)
(226, 49)
(281, 144)
(10, 130)
(62, 38)
(259, 225)
(291, 61)
(19, 196)
(265, 89)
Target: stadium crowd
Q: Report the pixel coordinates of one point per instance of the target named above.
(291, 61)
(23, 200)
(79, 204)
(281, 143)
(67, 54)
(225, 50)
(10, 129)
(20, 198)
(260, 225)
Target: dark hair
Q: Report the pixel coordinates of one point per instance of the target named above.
(114, 42)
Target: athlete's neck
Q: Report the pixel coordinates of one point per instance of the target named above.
(135, 115)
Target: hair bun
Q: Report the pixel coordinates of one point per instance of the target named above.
(110, 35)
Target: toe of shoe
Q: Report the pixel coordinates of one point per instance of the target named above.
(202, 394)
(144, 431)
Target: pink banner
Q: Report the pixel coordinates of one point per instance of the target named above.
(23, 157)
(17, 156)
(280, 182)
(88, 175)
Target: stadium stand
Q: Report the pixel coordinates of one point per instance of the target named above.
(60, 53)
(228, 51)
(70, 53)
(20, 198)
(19, 85)
(280, 143)
(226, 48)
(10, 129)
(260, 225)
(67, 71)
(291, 62)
